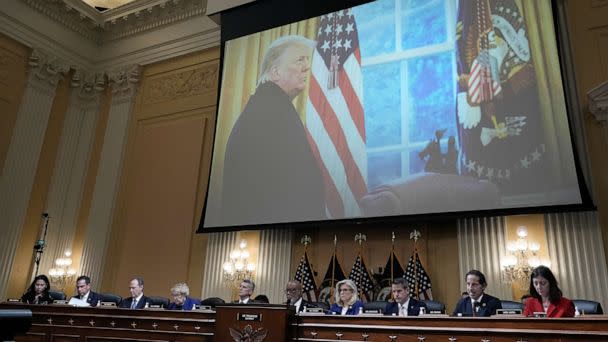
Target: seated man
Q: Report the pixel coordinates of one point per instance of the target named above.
(403, 304)
(83, 287)
(293, 292)
(137, 299)
(478, 303)
(181, 300)
(245, 291)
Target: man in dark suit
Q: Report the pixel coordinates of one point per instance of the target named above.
(403, 304)
(245, 291)
(293, 292)
(83, 287)
(478, 303)
(137, 299)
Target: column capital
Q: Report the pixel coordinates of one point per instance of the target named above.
(124, 82)
(88, 85)
(46, 68)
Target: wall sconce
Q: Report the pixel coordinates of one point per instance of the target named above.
(238, 268)
(62, 273)
(522, 258)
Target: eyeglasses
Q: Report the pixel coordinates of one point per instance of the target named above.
(291, 290)
(346, 290)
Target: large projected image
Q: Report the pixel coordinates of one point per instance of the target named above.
(395, 107)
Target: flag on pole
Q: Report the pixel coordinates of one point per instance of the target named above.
(333, 275)
(334, 113)
(306, 277)
(392, 270)
(362, 279)
(418, 279)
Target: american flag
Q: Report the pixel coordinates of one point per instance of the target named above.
(334, 113)
(420, 283)
(305, 276)
(361, 277)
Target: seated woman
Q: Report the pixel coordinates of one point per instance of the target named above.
(38, 292)
(181, 301)
(347, 299)
(545, 295)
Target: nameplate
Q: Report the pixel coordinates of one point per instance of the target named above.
(201, 307)
(372, 311)
(107, 304)
(435, 312)
(510, 312)
(155, 307)
(61, 302)
(13, 300)
(249, 317)
(540, 314)
(314, 310)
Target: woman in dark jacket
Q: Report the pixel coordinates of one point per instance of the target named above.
(38, 292)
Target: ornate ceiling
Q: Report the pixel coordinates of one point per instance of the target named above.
(106, 4)
(130, 17)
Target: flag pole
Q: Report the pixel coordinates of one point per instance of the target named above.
(333, 270)
(360, 238)
(392, 256)
(415, 235)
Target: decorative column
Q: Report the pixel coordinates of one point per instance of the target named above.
(66, 188)
(219, 246)
(124, 88)
(273, 263)
(19, 171)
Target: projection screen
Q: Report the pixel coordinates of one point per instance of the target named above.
(392, 108)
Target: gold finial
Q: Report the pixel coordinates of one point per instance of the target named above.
(360, 238)
(415, 235)
(305, 240)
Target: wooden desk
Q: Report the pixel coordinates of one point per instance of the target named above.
(65, 323)
(60, 323)
(451, 329)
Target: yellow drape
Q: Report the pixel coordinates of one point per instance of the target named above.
(539, 21)
(242, 61)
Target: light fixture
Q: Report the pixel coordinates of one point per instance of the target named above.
(238, 267)
(62, 273)
(522, 258)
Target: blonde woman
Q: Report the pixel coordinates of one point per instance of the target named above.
(347, 299)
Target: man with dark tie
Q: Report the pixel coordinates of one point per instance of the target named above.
(293, 292)
(403, 304)
(83, 287)
(245, 291)
(137, 299)
(478, 303)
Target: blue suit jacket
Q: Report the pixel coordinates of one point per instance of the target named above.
(188, 304)
(488, 306)
(413, 307)
(352, 310)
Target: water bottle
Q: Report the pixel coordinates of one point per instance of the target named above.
(422, 311)
(360, 310)
(576, 312)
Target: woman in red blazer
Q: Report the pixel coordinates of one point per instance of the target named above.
(546, 296)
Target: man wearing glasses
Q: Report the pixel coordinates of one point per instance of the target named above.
(293, 292)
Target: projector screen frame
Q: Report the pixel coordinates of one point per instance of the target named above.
(244, 20)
